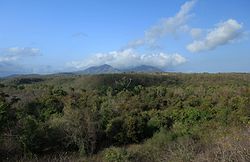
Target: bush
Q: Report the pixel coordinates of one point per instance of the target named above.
(114, 154)
(115, 130)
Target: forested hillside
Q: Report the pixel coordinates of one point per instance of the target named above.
(125, 117)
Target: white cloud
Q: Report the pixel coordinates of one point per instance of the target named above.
(224, 33)
(170, 25)
(129, 58)
(15, 53)
(196, 33)
(7, 58)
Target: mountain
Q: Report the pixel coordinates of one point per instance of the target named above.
(144, 69)
(107, 69)
(103, 69)
(22, 76)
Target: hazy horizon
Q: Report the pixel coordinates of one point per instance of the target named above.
(43, 37)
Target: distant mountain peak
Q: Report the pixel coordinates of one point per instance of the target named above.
(102, 69)
(103, 65)
(106, 69)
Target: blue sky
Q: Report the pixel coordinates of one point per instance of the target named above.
(46, 36)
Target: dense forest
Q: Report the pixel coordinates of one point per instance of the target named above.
(125, 117)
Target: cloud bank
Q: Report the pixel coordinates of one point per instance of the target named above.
(130, 58)
(16, 53)
(170, 25)
(222, 34)
(10, 59)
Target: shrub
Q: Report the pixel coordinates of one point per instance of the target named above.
(114, 154)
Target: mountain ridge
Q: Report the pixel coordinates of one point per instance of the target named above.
(102, 69)
(144, 69)
(108, 69)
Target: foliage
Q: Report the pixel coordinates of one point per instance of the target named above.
(115, 155)
(126, 117)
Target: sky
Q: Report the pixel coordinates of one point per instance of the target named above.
(49, 36)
